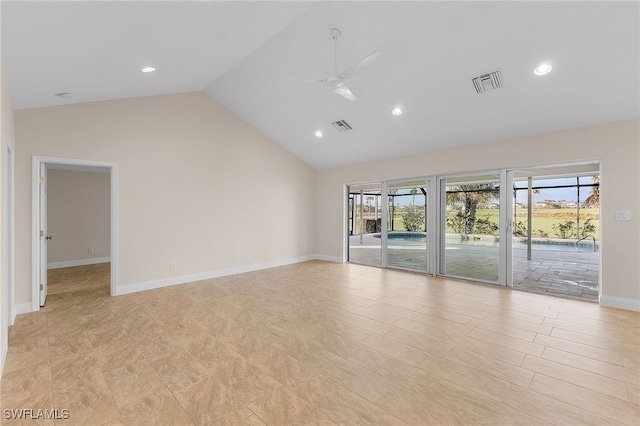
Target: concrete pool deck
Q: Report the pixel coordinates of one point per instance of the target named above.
(566, 273)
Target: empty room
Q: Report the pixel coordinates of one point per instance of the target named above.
(320, 212)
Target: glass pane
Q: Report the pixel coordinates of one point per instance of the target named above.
(365, 218)
(564, 238)
(471, 243)
(520, 183)
(564, 181)
(589, 180)
(407, 231)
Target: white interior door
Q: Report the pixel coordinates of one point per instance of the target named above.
(44, 237)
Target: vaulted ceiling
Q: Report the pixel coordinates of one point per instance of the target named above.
(259, 59)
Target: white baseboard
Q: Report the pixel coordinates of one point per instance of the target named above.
(620, 303)
(81, 262)
(334, 259)
(165, 282)
(22, 308)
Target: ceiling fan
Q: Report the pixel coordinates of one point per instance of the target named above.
(338, 81)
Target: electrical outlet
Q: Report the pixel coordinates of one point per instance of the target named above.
(248, 256)
(90, 250)
(235, 258)
(173, 266)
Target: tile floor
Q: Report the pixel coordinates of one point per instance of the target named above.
(321, 343)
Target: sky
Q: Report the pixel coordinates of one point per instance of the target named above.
(556, 194)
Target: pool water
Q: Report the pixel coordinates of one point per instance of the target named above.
(493, 241)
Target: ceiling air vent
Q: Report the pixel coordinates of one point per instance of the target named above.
(487, 82)
(342, 126)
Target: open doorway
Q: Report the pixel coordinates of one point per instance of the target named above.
(41, 236)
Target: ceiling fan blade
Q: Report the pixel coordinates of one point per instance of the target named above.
(363, 63)
(332, 82)
(344, 91)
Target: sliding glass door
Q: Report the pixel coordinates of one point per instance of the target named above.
(407, 240)
(364, 224)
(556, 237)
(470, 221)
(537, 232)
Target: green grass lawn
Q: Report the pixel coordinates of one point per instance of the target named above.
(543, 219)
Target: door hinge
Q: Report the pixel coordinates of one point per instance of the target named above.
(41, 179)
(41, 287)
(41, 233)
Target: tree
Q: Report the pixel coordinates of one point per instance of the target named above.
(413, 192)
(472, 196)
(413, 218)
(593, 200)
(392, 207)
(552, 204)
(369, 200)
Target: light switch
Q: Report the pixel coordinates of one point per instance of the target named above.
(623, 215)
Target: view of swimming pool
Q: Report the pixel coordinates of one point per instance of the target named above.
(493, 241)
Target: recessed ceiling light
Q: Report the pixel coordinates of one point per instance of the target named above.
(318, 133)
(397, 111)
(542, 69)
(148, 69)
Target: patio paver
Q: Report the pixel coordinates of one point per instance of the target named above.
(566, 273)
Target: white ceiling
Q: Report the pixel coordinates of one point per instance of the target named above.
(252, 56)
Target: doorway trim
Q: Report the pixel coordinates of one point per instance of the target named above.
(83, 165)
(9, 225)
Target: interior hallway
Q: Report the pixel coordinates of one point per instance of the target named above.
(325, 343)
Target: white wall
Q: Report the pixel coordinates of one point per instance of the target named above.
(196, 186)
(78, 217)
(6, 136)
(616, 145)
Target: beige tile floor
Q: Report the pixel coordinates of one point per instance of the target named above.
(324, 343)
